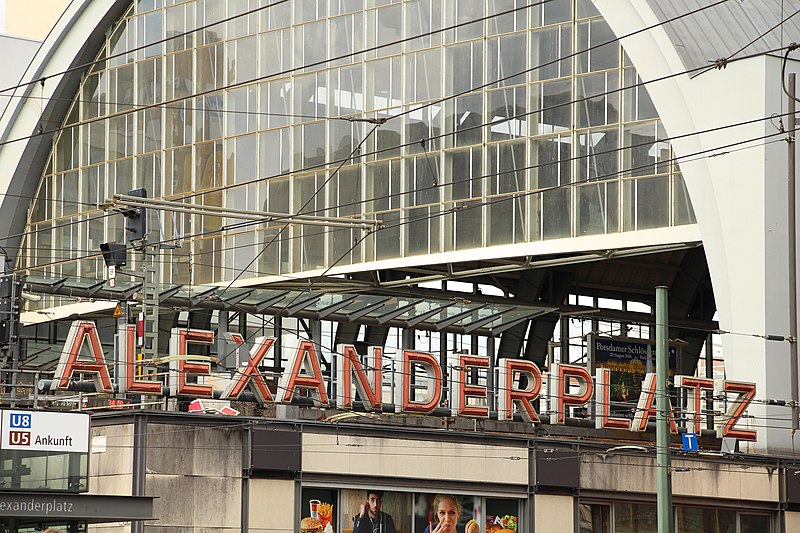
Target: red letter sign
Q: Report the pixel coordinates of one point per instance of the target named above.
(305, 359)
(563, 374)
(508, 373)
(746, 392)
(647, 406)
(433, 375)
(180, 367)
(461, 391)
(250, 375)
(127, 370)
(602, 401)
(79, 333)
(694, 407)
(369, 386)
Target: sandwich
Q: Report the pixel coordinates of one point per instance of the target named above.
(310, 525)
(472, 527)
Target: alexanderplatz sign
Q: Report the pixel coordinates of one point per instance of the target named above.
(570, 385)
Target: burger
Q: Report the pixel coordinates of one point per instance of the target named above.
(472, 527)
(310, 525)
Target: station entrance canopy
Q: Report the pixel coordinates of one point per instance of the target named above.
(422, 310)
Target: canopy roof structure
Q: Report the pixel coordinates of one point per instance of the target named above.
(412, 310)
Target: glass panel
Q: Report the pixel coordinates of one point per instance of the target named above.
(423, 76)
(385, 25)
(599, 46)
(557, 11)
(597, 152)
(464, 173)
(309, 198)
(637, 102)
(347, 36)
(516, 20)
(682, 205)
(635, 518)
(276, 49)
(506, 212)
(754, 523)
(547, 46)
(464, 67)
(652, 202)
(464, 119)
(550, 171)
(643, 153)
(423, 16)
(553, 103)
(347, 91)
(597, 99)
(462, 12)
(508, 114)
(594, 518)
(506, 59)
(695, 520)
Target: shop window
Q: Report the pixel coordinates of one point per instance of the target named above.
(396, 507)
(316, 500)
(696, 520)
(425, 514)
(634, 518)
(594, 518)
(501, 514)
(754, 523)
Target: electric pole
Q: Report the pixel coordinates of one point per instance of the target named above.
(664, 475)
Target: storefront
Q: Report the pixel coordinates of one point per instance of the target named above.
(268, 474)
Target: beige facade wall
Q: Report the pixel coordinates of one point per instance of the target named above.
(33, 18)
(111, 460)
(211, 495)
(272, 505)
(553, 513)
(700, 479)
(370, 456)
(792, 521)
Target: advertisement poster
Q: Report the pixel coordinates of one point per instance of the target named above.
(374, 510)
(627, 360)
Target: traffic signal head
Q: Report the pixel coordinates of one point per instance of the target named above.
(114, 254)
(136, 218)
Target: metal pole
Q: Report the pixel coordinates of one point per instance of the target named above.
(664, 481)
(792, 258)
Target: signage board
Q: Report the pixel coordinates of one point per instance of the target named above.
(690, 443)
(516, 390)
(44, 431)
(628, 361)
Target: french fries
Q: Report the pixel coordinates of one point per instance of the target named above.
(325, 510)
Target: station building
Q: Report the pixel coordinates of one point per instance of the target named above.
(498, 178)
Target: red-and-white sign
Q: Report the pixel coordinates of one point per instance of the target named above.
(572, 385)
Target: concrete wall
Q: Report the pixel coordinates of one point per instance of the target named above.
(703, 479)
(195, 473)
(369, 456)
(553, 513)
(111, 460)
(272, 505)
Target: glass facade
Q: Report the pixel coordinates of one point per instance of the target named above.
(502, 126)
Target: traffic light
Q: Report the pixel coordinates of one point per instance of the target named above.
(114, 254)
(136, 218)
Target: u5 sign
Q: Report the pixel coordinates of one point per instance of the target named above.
(44, 431)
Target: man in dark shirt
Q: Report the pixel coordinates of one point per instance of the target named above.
(370, 518)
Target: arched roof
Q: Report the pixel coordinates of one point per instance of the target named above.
(722, 30)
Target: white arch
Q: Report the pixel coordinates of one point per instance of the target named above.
(739, 198)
